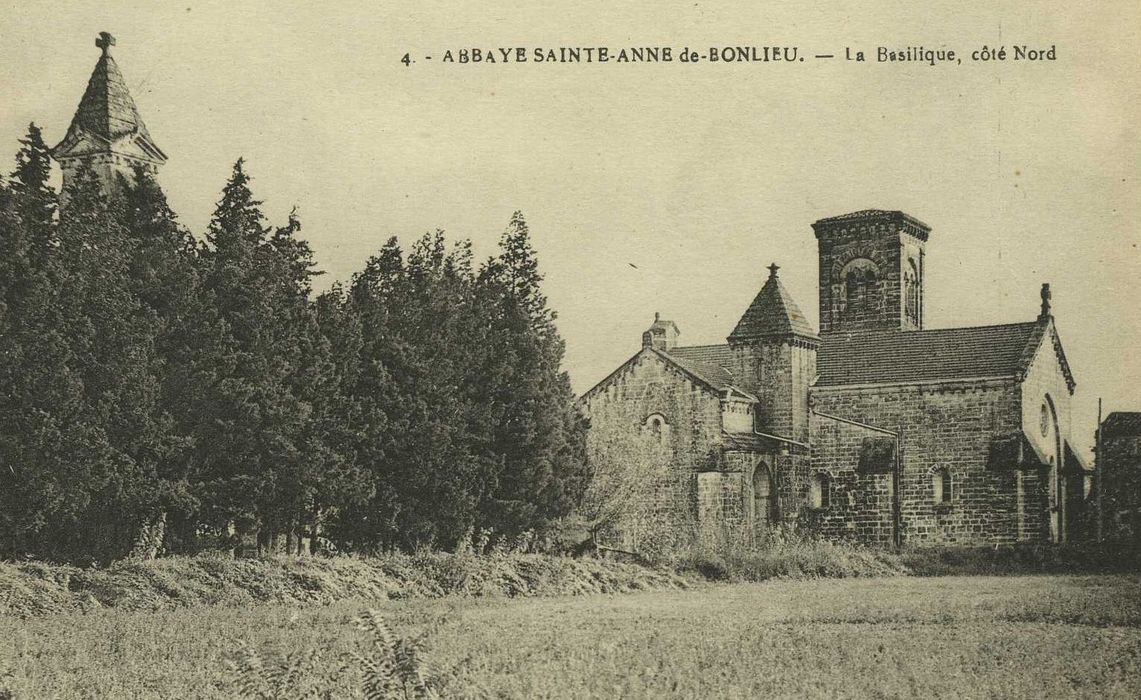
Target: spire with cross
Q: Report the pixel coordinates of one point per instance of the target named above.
(107, 133)
(773, 270)
(105, 42)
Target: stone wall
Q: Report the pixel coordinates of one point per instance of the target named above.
(942, 426)
(778, 373)
(1044, 398)
(1120, 467)
(649, 386)
(107, 168)
(888, 241)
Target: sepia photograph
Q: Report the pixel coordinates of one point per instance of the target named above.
(570, 350)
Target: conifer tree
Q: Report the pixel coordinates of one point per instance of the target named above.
(539, 438)
(40, 397)
(163, 278)
(256, 451)
(35, 198)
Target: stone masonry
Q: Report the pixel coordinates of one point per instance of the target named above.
(876, 430)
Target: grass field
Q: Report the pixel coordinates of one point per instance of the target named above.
(1019, 636)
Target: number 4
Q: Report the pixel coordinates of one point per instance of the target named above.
(407, 60)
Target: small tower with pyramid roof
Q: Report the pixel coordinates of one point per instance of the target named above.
(774, 350)
(107, 134)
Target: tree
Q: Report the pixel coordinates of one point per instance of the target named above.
(261, 462)
(636, 499)
(415, 388)
(163, 277)
(538, 436)
(35, 200)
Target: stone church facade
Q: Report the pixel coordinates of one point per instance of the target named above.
(875, 429)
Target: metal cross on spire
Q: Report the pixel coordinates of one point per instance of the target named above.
(105, 42)
(773, 270)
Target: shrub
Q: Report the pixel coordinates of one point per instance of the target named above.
(784, 554)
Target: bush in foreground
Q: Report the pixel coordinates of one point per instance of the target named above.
(787, 557)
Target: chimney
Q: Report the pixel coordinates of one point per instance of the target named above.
(662, 335)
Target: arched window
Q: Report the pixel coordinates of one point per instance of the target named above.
(819, 492)
(762, 494)
(860, 283)
(941, 486)
(911, 291)
(657, 426)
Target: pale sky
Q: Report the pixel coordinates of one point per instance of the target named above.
(652, 187)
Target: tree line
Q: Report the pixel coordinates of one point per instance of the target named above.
(160, 391)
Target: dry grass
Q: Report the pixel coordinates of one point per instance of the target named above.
(888, 637)
(32, 589)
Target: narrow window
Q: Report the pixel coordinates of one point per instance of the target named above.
(911, 292)
(762, 494)
(941, 486)
(819, 492)
(854, 285)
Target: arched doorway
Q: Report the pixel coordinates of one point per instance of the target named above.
(1056, 483)
(763, 497)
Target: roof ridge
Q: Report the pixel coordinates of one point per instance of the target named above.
(695, 347)
(901, 331)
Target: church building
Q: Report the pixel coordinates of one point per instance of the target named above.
(876, 429)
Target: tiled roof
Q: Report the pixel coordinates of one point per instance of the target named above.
(721, 355)
(746, 442)
(772, 313)
(1121, 424)
(715, 375)
(874, 357)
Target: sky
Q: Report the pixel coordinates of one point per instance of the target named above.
(652, 188)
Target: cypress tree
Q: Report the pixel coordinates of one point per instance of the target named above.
(538, 439)
(256, 450)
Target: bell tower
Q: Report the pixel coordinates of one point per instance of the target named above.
(106, 134)
(774, 357)
(871, 271)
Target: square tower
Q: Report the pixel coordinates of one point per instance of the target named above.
(871, 271)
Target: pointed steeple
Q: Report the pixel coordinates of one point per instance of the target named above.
(772, 314)
(107, 133)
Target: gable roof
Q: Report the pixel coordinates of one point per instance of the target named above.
(720, 355)
(710, 376)
(884, 357)
(773, 313)
(108, 112)
(1121, 424)
(716, 376)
